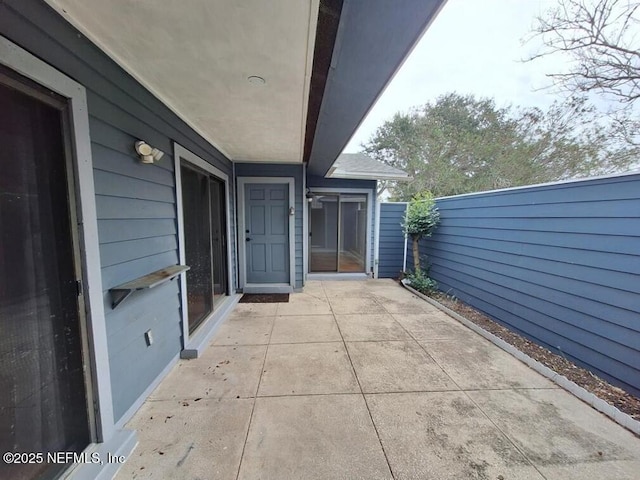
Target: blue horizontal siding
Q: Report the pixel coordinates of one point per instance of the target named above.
(558, 263)
(390, 240)
(135, 203)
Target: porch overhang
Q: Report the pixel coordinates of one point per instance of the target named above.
(374, 38)
(360, 166)
(243, 74)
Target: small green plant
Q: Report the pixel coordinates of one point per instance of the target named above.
(420, 281)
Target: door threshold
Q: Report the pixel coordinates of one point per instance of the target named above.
(267, 288)
(337, 276)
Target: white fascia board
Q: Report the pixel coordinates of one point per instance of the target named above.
(369, 176)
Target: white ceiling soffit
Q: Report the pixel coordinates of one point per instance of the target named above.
(196, 57)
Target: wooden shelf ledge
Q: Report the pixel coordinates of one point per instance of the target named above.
(122, 292)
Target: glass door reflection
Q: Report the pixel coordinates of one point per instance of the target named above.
(338, 231)
(352, 233)
(323, 233)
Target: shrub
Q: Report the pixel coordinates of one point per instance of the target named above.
(420, 281)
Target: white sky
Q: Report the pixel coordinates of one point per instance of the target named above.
(473, 46)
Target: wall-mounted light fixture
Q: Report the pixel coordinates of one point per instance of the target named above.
(147, 153)
(309, 196)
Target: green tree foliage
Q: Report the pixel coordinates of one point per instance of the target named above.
(421, 220)
(461, 144)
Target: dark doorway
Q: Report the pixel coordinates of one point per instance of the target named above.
(43, 393)
(205, 236)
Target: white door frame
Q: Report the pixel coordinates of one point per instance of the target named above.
(370, 219)
(376, 241)
(107, 436)
(193, 343)
(242, 251)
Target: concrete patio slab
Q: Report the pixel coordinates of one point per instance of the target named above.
(244, 330)
(221, 372)
(563, 437)
(201, 440)
(347, 289)
(315, 289)
(475, 363)
(443, 435)
(304, 304)
(255, 309)
(396, 367)
(307, 368)
(434, 326)
(305, 329)
(389, 293)
(312, 420)
(357, 328)
(355, 305)
(313, 437)
(405, 306)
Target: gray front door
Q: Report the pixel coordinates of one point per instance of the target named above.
(267, 232)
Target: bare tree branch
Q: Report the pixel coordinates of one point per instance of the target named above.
(600, 38)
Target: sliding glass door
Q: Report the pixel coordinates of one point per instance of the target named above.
(353, 233)
(44, 390)
(338, 233)
(203, 198)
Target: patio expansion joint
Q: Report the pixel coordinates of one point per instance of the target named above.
(466, 394)
(524, 455)
(255, 399)
(304, 343)
(355, 374)
(621, 418)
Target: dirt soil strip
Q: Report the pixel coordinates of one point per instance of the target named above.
(604, 392)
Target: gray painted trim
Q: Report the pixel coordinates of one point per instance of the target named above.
(242, 181)
(236, 269)
(28, 65)
(376, 238)
(201, 337)
(267, 288)
(305, 226)
(406, 242)
(180, 152)
(370, 207)
(122, 443)
(600, 405)
(338, 276)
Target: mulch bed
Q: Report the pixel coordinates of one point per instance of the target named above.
(615, 396)
(265, 298)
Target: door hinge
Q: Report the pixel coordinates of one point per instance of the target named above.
(79, 287)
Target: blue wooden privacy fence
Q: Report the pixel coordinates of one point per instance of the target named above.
(558, 263)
